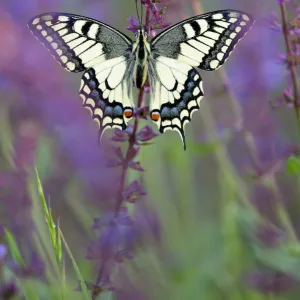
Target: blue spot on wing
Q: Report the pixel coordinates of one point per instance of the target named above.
(118, 111)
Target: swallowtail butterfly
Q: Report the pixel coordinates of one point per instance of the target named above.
(111, 62)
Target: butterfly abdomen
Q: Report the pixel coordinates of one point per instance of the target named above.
(141, 65)
(140, 74)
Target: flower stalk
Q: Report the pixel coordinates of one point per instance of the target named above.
(111, 247)
(131, 143)
(291, 65)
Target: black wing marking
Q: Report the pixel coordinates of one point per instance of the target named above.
(204, 41)
(77, 42)
(176, 92)
(106, 91)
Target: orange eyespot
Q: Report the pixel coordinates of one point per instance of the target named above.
(155, 116)
(128, 113)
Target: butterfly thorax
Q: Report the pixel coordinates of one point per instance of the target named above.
(141, 51)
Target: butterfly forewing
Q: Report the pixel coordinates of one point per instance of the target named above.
(77, 42)
(203, 41)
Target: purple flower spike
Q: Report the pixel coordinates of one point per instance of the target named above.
(119, 234)
(156, 17)
(146, 134)
(142, 112)
(134, 192)
(120, 136)
(122, 219)
(274, 23)
(123, 255)
(134, 24)
(133, 153)
(136, 165)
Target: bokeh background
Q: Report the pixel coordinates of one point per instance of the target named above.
(218, 221)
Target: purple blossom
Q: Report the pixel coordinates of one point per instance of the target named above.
(123, 255)
(133, 192)
(136, 165)
(116, 233)
(274, 22)
(120, 135)
(3, 252)
(109, 218)
(134, 24)
(8, 290)
(156, 17)
(270, 236)
(133, 152)
(146, 134)
(142, 112)
(34, 269)
(270, 281)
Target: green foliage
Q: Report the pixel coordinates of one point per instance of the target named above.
(293, 165)
(13, 248)
(76, 269)
(53, 229)
(57, 240)
(204, 148)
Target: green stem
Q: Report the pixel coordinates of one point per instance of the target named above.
(127, 156)
(291, 65)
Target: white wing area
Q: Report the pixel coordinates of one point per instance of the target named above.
(77, 42)
(106, 91)
(176, 92)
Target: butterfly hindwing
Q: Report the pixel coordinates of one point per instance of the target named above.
(77, 42)
(176, 92)
(204, 41)
(106, 91)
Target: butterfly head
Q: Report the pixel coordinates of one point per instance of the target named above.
(141, 35)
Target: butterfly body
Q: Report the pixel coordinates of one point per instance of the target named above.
(111, 62)
(141, 52)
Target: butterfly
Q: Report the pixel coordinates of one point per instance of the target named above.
(112, 62)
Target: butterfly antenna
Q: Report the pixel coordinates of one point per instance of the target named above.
(137, 11)
(142, 12)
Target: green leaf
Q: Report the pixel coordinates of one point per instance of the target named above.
(281, 258)
(13, 247)
(76, 269)
(293, 165)
(54, 236)
(58, 246)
